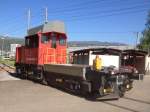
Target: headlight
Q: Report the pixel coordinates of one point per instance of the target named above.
(127, 86)
(136, 71)
(112, 73)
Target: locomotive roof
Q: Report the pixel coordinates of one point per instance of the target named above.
(53, 26)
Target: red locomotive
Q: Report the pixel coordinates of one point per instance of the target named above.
(44, 58)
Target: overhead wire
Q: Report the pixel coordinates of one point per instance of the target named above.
(88, 8)
(99, 15)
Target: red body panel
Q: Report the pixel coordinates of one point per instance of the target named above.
(18, 54)
(22, 54)
(31, 56)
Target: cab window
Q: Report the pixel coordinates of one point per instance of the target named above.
(62, 41)
(44, 39)
(32, 41)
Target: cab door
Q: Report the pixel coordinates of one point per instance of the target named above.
(61, 50)
(50, 48)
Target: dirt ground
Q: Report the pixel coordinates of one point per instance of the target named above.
(27, 96)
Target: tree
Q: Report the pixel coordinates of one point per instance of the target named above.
(145, 40)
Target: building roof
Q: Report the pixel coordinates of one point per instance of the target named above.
(111, 51)
(122, 47)
(135, 52)
(99, 51)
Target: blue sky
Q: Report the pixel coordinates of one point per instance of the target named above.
(85, 20)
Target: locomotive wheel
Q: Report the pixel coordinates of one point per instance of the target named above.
(121, 91)
(129, 84)
(101, 90)
(20, 74)
(23, 73)
(18, 71)
(42, 78)
(44, 81)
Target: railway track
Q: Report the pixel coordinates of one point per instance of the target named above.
(135, 105)
(7, 68)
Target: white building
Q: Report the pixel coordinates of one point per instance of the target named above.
(13, 49)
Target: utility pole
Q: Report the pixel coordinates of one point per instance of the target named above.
(137, 37)
(29, 18)
(46, 14)
(2, 49)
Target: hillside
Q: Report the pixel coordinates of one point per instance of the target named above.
(92, 43)
(9, 40)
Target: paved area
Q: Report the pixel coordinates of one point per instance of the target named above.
(5, 73)
(5, 76)
(27, 96)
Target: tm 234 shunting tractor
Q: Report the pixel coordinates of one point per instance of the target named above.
(44, 58)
